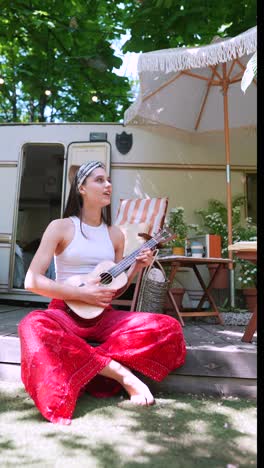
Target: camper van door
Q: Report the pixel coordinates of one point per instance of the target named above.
(8, 199)
(80, 153)
(35, 196)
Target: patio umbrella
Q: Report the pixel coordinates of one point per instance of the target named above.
(199, 89)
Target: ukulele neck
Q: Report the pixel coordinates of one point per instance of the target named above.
(127, 261)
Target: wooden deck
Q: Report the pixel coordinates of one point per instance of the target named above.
(218, 363)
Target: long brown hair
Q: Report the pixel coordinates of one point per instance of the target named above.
(75, 203)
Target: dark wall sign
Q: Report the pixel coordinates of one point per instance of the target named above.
(124, 142)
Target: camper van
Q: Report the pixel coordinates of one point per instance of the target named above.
(36, 161)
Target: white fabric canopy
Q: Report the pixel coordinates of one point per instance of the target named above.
(199, 89)
(170, 95)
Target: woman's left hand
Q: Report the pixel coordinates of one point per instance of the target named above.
(144, 258)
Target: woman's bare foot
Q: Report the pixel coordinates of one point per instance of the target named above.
(139, 392)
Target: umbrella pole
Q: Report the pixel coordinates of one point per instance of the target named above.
(228, 186)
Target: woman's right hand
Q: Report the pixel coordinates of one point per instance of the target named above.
(93, 293)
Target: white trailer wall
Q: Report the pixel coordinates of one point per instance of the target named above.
(196, 170)
(189, 169)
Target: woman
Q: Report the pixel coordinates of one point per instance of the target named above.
(58, 363)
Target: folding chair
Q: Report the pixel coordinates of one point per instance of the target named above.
(134, 216)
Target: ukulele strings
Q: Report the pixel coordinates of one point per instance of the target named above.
(115, 271)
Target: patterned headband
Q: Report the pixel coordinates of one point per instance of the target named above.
(86, 169)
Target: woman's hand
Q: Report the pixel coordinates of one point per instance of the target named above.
(93, 293)
(144, 258)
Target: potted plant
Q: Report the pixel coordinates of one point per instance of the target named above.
(178, 247)
(178, 225)
(248, 281)
(245, 270)
(214, 221)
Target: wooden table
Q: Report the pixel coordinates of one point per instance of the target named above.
(247, 251)
(175, 262)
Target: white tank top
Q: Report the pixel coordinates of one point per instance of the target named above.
(82, 255)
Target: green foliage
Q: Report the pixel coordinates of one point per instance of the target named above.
(247, 276)
(247, 271)
(178, 225)
(214, 221)
(65, 48)
(162, 24)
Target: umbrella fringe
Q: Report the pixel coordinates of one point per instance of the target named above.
(173, 60)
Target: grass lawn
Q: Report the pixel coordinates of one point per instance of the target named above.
(181, 431)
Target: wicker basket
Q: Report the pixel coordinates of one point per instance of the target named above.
(152, 294)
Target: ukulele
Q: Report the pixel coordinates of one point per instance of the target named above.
(112, 274)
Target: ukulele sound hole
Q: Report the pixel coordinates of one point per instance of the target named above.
(106, 278)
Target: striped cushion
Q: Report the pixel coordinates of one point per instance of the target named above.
(140, 210)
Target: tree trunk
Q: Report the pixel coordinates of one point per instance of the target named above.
(42, 105)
